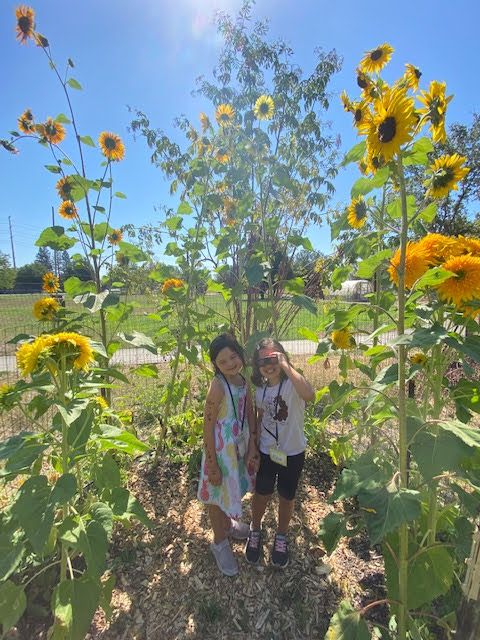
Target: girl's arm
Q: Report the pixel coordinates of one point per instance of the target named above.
(301, 385)
(212, 406)
(252, 458)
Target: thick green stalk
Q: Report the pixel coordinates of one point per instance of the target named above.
(402, 413)
(436, 378)
(65, 507)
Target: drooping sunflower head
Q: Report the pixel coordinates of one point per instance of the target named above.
(172, 283)
(412, 76)
(391, 125)
(373, 61)
(418, 358)
(357, 213)
(416, 264)
(112, 146)
(467, 245)
(52, 131)
(100, 402)
(64, 187)
(28, 354)
(115, 237)
(438, 247)
(447, 171)
(122, 259)
(204, 122)
(25, 23)
(347, 103)
(46, 309)
(51, 282)
(363, 80)
(435, 103)
(222, 155)
(41, 41)
(225, 115)
(25, 122)
(464, 285)
(264, 108)
(362, 116)
(68, 210)
(342, 339)
(74, 348)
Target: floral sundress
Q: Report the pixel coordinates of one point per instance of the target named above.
(236, 480)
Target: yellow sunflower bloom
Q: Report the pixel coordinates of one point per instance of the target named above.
(467, 245)
(418, 358)
(222, 155)
(447, 172)
(264, 108)
(391, 125)
(362, 116)
(374, 60)
(101, 402)
(64, 187)
(52, 131)
(112, 146)
(465, 284)
(115, 237)
(51, 282)
(204, 122)
(172, 283)
(416, 264)
(225, 115)
(25, 23)
(347, 103)
(28, 354)
(435, 108)
(68, 210)
(412, 76)
(229, 206)
(357, 213)
(25, 122)
(342, 339)
(438, 247)
(363, 80)
(46, 308)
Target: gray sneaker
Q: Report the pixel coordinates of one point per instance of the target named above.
(224, 558)
(239, 530)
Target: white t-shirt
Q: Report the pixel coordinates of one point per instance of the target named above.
(285, 416)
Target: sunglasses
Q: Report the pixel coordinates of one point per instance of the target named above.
(263, 362)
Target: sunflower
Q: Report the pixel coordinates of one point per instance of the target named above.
(52, 131)
(418, 358)
(25, 23)
(374, 61)
(438, 247)
(8, 146)
(435, 102)
(347, 103)
(468, 245)
(391, 124)
(464, 285)
(222, 155)
(28, 354)
(264, 108)
(51, 282)
(7, 398)
(115, 237)
(68, 210)
(172, 283)
(64, 187)
(412, 76)
(205, 122)
(229, 206)
(364, 81)
(225, 115)
(46, 308)
(447, 172)
(357, 213)
(416, 264)
(25, 122)
(112, 146)
(41, 41)
(362, 116)
(203, 146)
(75, 347)
(342, 339)
(100, 402)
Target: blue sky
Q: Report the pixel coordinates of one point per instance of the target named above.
(147, 54)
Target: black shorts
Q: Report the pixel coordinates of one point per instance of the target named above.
(288, 476)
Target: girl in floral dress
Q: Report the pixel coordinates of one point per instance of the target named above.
(230, 457)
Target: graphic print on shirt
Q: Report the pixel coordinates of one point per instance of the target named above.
(277, 411)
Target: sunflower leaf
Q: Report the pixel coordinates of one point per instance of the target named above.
(62, 118)
(53, 168)
(55, 238)
(355, 154)
(87, 140)
(74, 84)
(119, 194)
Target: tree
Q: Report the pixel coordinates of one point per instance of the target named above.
(29, 277)
(44, 258)
(7, 273)
(64, 265)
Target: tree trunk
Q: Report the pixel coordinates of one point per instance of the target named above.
(468, 614)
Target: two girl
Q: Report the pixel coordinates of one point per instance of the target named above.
(275, 449)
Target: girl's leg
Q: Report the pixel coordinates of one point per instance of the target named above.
(285, 512)
(259, 505)
(218, 520)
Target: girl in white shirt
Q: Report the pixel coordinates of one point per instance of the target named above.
(280, 401)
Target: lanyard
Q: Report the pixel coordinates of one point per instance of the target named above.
(276, 410)
(233, 402)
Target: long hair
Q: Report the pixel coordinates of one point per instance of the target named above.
(266, 343)
(219, 343)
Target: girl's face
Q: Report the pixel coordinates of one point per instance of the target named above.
(228, 362)
(270, 370)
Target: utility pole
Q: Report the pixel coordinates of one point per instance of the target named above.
(11, 242)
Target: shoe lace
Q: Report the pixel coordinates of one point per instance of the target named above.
(280, 545)
(254, 539)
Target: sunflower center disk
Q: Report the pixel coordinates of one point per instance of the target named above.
(387, 130)
(110, 143)
(358, 115)
(376, 55)
(25, 23)
(443, 177)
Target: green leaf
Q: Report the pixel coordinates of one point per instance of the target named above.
(218, 287)
(433, 277)
(74, 84)
(11, 553)
(299, 241)
(74, 603)
(294, 285)
(355, 154)
(114, 438)
(12, 604)
(394, 209)
(339, 275)
(34, 511)
(125, 506)
(332, 528)
(439, 452)
(367, 268)
(22, 452)
(308, 334)
(107, 473)
(385, 509)
(184, 208)
(347, 624)
(62, 118)
(120, 194)
(418, 153)
(88, 141)
(64, 490)
(147, 371)
(73, 286)
(96, 301)
(305, 302)
(364, 185)
(53, 168)
(139, 339)
(133, 253)
(55, 238)
(364, 474)
(102, 513)
(428, 214)
(254, 273)
(173, 223)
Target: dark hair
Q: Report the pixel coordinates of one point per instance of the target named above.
(257, 378)
(222, 341)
